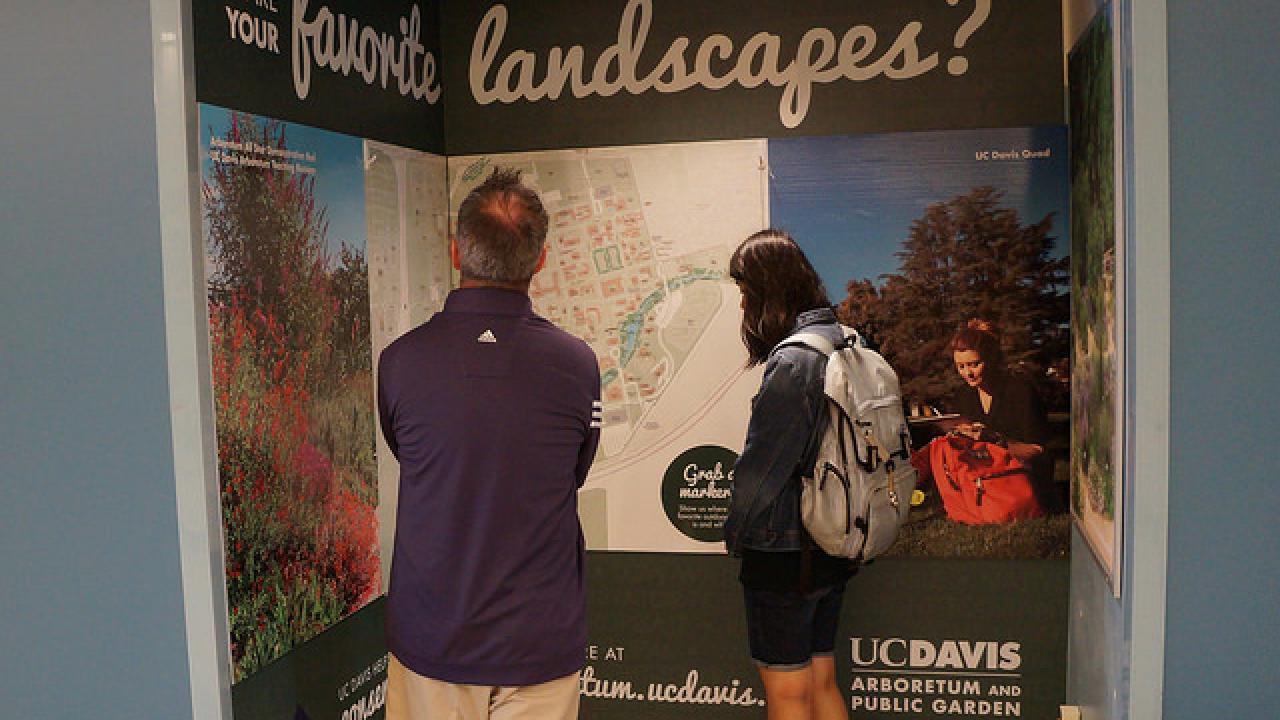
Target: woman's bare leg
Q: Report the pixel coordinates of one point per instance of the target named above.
(789, 693)
(828, 703)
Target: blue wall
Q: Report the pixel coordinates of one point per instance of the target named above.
(92, 620)
(1223, 626)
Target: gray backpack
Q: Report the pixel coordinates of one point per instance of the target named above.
(858, 492)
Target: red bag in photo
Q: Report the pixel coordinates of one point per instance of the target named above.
(981, 482)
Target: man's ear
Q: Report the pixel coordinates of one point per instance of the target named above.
(453, 254)
(542, 260)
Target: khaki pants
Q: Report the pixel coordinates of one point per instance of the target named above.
(411, 696)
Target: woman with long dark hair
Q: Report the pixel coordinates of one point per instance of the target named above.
(792, 589)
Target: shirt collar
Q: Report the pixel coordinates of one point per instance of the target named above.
(816, 316)
(488, 301)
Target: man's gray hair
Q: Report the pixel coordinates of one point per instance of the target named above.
(501, 230)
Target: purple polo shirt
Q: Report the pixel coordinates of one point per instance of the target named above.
(489, 409)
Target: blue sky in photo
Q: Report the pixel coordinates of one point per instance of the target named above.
(849, 200)
(339, 178)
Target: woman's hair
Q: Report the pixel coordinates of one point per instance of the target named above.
(777, 284)
(979, 336)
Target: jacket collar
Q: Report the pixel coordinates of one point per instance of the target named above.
(488, 301)
(816, 316)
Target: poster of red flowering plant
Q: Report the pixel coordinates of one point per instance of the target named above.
(288, 297)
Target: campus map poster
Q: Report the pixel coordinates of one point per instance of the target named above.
(637, 265)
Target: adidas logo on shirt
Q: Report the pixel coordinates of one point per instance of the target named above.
(487, 337)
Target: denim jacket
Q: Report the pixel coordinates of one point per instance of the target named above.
(764, 512)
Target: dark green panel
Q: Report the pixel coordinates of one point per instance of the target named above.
(272, 57)
(337, 675)
(678, 620)
(668, 640)
(1013, 75)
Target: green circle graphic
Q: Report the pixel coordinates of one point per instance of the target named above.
(696, 491)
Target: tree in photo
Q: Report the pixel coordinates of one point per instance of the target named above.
(966, 257)
(267, 239)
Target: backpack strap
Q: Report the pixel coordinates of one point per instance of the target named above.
(820, 342)
(807, 339)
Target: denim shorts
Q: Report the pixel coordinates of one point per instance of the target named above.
(786, 630)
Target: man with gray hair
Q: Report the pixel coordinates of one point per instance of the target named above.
(494, 416)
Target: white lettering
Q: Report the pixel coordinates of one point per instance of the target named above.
(758, 62)
(1010, 659)
(252, 30)
(694, 475)
(949, 654)
(694, 693)
(976, 708)
(858, 659)
(365, 707)
(922, 653)
(884, 653)
(897, 705)
(720, 46)
(341, 43)
(591, 686)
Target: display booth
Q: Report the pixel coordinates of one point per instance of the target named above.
(916, 149)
